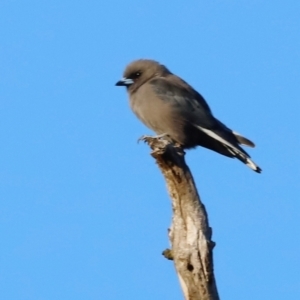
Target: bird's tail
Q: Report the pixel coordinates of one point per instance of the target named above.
(244, 158)
(235, 150)
(242, 140)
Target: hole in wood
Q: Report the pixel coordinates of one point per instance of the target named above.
(190, 267)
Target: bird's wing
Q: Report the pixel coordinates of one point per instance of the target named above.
(185, 99)
(195, 110)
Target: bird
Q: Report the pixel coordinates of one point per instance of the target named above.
(171, 107)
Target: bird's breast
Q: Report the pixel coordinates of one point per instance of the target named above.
(160, 116)
(149, 111)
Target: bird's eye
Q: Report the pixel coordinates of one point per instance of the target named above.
(136, 75)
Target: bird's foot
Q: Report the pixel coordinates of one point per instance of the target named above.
(146, 138)
(161, 143)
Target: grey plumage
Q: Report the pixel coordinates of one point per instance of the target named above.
(168, 105)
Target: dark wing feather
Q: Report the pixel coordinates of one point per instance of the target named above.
(193, 108)
(186, 99)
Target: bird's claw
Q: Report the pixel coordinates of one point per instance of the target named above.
(146, 138)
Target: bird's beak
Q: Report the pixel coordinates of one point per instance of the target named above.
(125, 82)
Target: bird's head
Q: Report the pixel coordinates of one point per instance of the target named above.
(139, 72)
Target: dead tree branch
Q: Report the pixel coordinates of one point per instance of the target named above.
(189, 234)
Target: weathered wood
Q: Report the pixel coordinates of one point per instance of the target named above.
(189, 234)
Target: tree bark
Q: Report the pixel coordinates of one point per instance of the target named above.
(189, 234)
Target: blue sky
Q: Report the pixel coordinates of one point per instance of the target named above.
(84, 210)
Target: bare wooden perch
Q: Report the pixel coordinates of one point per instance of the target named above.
(189, 234)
